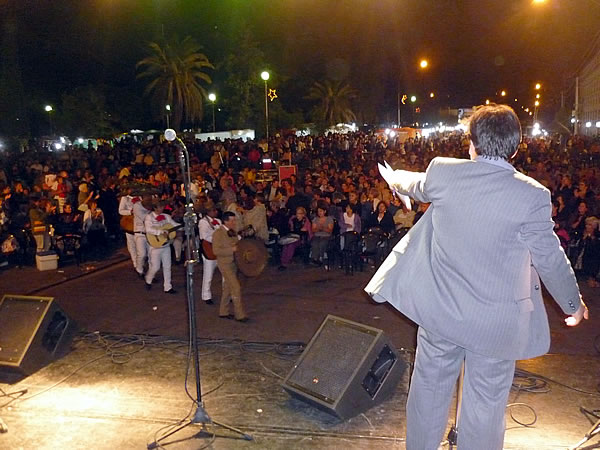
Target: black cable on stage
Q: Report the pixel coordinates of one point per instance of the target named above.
(531, 375)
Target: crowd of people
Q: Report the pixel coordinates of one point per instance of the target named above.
(335, 191)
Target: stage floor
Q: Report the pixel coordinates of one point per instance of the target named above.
(120, 392)
(104, 400)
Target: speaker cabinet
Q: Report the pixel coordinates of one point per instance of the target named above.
(34, 331)
(346, 368)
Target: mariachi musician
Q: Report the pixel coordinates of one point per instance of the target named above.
(225, 244)
(158, 223)
(126, 211)
(206, 228)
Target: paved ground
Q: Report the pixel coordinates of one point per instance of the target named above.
(105, 404)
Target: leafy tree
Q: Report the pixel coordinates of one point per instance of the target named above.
(334, 102)
(243, 94)
(175, 73)
(84, 112)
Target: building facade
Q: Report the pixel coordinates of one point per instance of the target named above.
(589, 92)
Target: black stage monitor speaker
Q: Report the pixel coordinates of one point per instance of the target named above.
(345, 369)
(34, 331)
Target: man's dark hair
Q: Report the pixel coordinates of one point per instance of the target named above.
(227, 215)
(495, 131)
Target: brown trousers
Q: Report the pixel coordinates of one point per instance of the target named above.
(232, 292)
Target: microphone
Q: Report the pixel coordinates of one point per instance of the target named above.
(170, 134)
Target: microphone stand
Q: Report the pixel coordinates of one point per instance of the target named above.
(190, 220)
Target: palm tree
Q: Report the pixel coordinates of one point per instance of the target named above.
(175, 74)
(334, 99)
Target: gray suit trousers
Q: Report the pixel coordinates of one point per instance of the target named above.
(486, 387)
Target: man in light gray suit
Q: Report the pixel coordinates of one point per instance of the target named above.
(467, 274)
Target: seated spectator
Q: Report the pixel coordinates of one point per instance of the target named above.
(587, 261)
(300, 236)
(381, 218)
(69, 221)
(255, 215)
(322, 227)
(350, 220)
(404, 217)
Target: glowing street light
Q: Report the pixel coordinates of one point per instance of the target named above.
(537, 95)
(539, 1)
(431, 95)
(423, 64)
(413, 98)
(49, 109)
(487, 102)
(537, 103)
(503, 93)
(516, 100)
(212, 97)
(538, 86)
(265, 77)
(168, 108)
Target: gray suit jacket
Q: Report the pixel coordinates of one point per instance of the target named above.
(468, 270)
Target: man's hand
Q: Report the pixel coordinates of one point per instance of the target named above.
(582, 313)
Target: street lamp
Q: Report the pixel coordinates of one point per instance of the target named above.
(413, 98)
(265, 76)
(49, 109)
(424, 63)
(168, 108)
(212, 97)
(487, 102)
(538, 86)
(431, 95)
(503, 93)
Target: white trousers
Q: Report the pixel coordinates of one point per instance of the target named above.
(160, 257)
(141, 251)
(131, 248)
(208, 270)
(178, 245)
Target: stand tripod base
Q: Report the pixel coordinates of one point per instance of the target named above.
(591, 432)
(201, 418)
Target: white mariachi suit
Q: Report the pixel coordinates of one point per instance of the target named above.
(206, 228)
(139, 233)
(126, 209)
(159, 256)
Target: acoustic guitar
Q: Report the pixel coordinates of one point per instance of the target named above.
(160, 240)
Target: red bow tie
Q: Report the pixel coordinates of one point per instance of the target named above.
(215, 222)
(135, 199)
(160, 217)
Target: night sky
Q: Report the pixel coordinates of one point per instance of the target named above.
(475, 47)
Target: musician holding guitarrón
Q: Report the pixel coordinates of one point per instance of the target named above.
(225, 240)
(158, 223)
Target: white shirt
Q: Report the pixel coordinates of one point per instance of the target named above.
(139, 215)
(126, 205)
(349, 221)
(158, 223)
(207, 229)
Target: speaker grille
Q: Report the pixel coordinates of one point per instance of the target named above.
(339, 343)
(18, 317)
